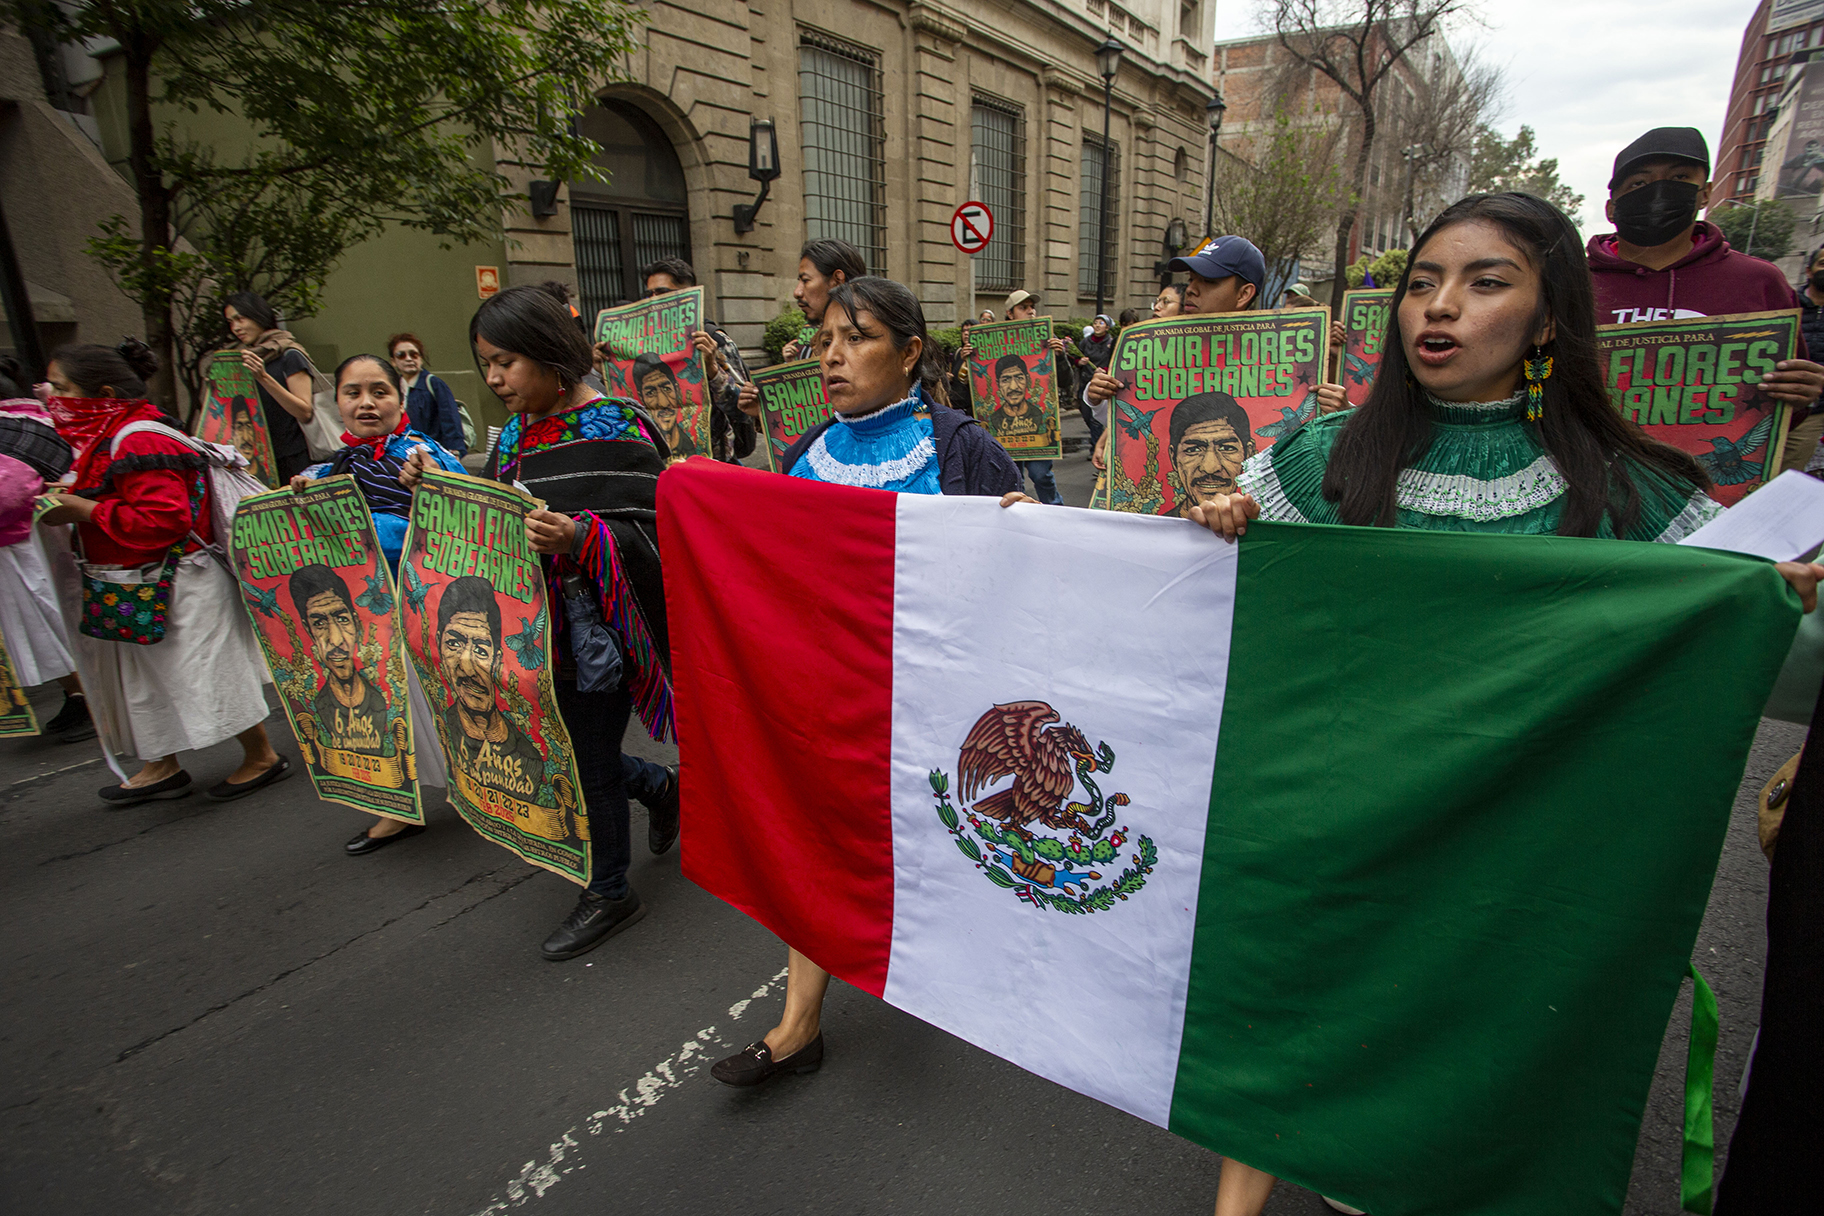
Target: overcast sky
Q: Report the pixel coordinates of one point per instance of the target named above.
(1590, 75)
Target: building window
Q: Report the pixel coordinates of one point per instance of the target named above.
(844, 138)
(1181, 164)
(1098, 160)
(1190, 18)
(637, 216)
(997, 175)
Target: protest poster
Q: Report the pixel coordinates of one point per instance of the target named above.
(16, 716)
(791, 403)
(654, 362)
(1365, 327)
(1201, 394)
(1695, 384)
(320, 596)
(477, 625)
(1014, 377)
(232, 414)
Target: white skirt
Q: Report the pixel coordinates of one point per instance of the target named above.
(200, 685)
(427, 746)
(30, 620)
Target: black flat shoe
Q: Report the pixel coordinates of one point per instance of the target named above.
(364, 844)
(593, 921)
(72, 723)
(228, 791)
(754, 1063)
(177, 785)
(662, 818)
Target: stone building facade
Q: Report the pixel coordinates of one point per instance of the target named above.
(888, 116)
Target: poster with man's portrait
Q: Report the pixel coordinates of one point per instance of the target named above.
(1365, 328)
(1014, 377)
(1696, 384)
(16, 716)
(320, 596)
(791, 404)
(1200, 395)
(655, 363)
(477, 624)
(232, 415)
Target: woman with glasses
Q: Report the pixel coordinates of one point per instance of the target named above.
(430, 406)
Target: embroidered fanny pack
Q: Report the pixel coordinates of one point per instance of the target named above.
(117, 607)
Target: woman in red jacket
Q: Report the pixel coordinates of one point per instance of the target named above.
(137, 498)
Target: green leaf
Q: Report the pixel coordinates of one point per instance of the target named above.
(947, 813)
(999, 876)
(968, 847)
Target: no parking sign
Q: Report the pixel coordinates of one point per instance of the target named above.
(970, 227)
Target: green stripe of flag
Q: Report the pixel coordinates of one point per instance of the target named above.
(1468, 798)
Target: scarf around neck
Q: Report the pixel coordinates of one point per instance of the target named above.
(87, 424)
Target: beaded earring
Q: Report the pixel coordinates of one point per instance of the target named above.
(1538, 371)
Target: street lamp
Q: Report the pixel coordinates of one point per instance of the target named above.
(1175, 238)
(1108, 62)
(762, 166)
(1410, 152)
(1212, 111)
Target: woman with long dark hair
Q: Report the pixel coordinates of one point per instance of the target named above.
(1488, 414)
(595, 462)
(377, 442)
(890, 430)
(286, 378)
(142, 510)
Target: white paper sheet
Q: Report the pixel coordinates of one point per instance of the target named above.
(1781, 521)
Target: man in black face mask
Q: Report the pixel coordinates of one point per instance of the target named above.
(1662, 263)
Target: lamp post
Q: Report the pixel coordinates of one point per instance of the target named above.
(1175, 239)
(1108, 62)
(1212, 111)
(1410, 152)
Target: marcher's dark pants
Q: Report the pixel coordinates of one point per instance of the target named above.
(645, 781)
(1087, 412)
(1774, 1165)
(597, 721)
(1044, 485)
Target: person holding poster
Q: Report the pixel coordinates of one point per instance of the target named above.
(378, 442)
(31, 623)
(229, 414)
(142, 512)
(1024, 306)
(1493, 320)
(282, 371)
(1014, 375)
(1663, 264)
(892, 430)
(596, 465)
(730, 433)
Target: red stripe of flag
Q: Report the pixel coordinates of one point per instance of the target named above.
(784, 703)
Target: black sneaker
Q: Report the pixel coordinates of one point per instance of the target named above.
(662, 815)
(593, 921)
(72, 724)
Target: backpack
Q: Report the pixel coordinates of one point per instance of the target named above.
(229, 482)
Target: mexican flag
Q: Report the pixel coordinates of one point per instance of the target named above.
(1370, 858)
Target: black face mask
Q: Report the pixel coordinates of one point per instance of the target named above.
(1817, 281)
(1655, 213)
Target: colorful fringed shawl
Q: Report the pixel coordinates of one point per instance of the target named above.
(596, 463)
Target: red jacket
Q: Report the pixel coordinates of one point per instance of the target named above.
(1710, 280)
(144, 506)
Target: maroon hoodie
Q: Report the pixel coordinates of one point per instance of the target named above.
(1710, 280)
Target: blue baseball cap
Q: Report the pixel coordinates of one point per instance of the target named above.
(1222, 256)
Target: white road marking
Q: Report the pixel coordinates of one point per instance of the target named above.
(53, 772)
(536, 1178)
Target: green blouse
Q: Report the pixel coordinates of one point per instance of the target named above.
(1486, 471)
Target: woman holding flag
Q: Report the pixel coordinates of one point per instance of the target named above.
(890, 429)
(378, 442)
(1488, 414)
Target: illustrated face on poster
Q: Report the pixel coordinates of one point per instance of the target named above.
(655, 362)
(232, 415)
(1365, 317)
(1696, 384)
(490, 747)
(476, 623)
(320, 597)
(1211, 439)
(1200, 396)
(1013, 379)
(351, 713)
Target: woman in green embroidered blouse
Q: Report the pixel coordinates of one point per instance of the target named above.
(1444, 441)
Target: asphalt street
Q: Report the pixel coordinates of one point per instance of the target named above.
(209, 1008)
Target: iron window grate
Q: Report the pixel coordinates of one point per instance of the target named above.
(844, 137)
(997, 171)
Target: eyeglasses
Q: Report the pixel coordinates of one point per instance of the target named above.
(655, 291)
